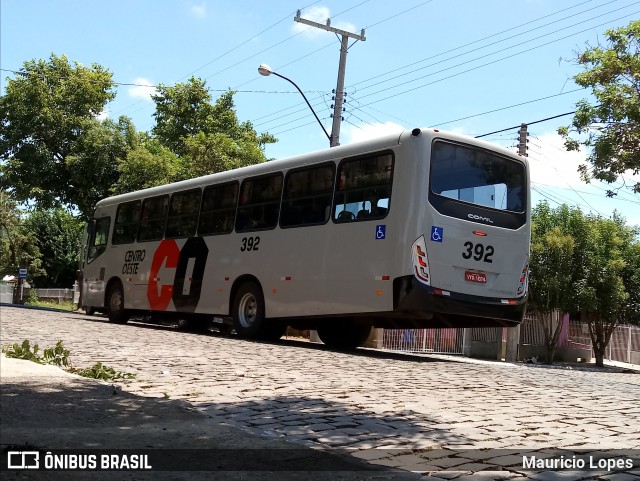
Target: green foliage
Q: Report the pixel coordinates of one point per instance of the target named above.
(18, 245)
(62, 305)
(612, 126)
(43, 114)
(59, 356)
(56, 355)
(182, 110)
(147, 165)
(630, 313)
(57, 236)
(587, 265)
(105, 373)
(95, 158)
(23, 351)
(207, 137)
(209, 153)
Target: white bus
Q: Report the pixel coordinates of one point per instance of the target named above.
(422, 229)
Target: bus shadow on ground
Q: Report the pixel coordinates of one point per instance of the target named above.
(318, 421)
(290, 342)
(78, 414)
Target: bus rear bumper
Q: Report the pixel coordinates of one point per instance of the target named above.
(440, 308)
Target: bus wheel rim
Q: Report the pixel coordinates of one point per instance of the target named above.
(116, 301)
(247, 310)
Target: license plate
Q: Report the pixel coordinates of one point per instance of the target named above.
(475, 277)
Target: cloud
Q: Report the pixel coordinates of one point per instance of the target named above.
(104, 114)
(319, 15)
(551, 164)
(361, 133)
(198, 11)
(143, 89)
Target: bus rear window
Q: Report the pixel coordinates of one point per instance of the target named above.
(477, 177)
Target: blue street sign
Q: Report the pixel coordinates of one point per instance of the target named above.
(22, 273)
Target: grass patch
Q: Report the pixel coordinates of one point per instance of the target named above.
(62, 305)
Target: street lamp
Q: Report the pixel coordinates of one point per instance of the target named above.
(265, 70)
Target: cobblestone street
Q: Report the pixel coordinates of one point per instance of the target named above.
(418, 413)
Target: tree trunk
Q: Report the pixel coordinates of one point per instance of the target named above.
(551, 333)
(600, 356)
(551, 352)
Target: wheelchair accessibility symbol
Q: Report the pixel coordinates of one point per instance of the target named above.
(381, 232)
(437, 233)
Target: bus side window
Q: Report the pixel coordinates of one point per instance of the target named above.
(182, 219)
(364, 190)
(126, 226)
(307, 196)
(98, 241)
(153, 218)
(259, 204)
(218, 210)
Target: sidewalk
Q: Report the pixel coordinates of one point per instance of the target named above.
(46, 408)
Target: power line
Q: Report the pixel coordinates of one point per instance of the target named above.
(475, 42)
(403, 84)
(459, 73)
(245, 42)
(528, 123)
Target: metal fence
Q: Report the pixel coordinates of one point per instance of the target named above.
(55, 294)
(444, 341)
(624, 345)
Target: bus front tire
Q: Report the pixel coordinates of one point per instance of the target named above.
(248, 315)
(115, 305)
(343, 335)
(248, 310)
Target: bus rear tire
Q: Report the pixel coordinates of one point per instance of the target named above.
(343, 335)
(115, 305)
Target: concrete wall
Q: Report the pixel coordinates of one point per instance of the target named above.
(492, 350)
(6, 293)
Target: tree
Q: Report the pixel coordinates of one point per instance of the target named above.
(550, 265)
(630, 313)
(586, 265)
(58, 235)
(612, 125)
(147, 165)
(18, 247)
(44, 112)
(599, 289)
(93, 163)
(210, 153)
(208, 136)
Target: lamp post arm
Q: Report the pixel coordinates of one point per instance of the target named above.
(305, 99)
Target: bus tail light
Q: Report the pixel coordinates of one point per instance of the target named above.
(523, 284)
(420, 262)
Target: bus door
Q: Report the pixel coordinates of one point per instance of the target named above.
(94, 269)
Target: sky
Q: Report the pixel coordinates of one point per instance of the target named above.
(460, 65)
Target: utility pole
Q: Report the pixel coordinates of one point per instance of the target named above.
(522, 140)
(339, 92)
